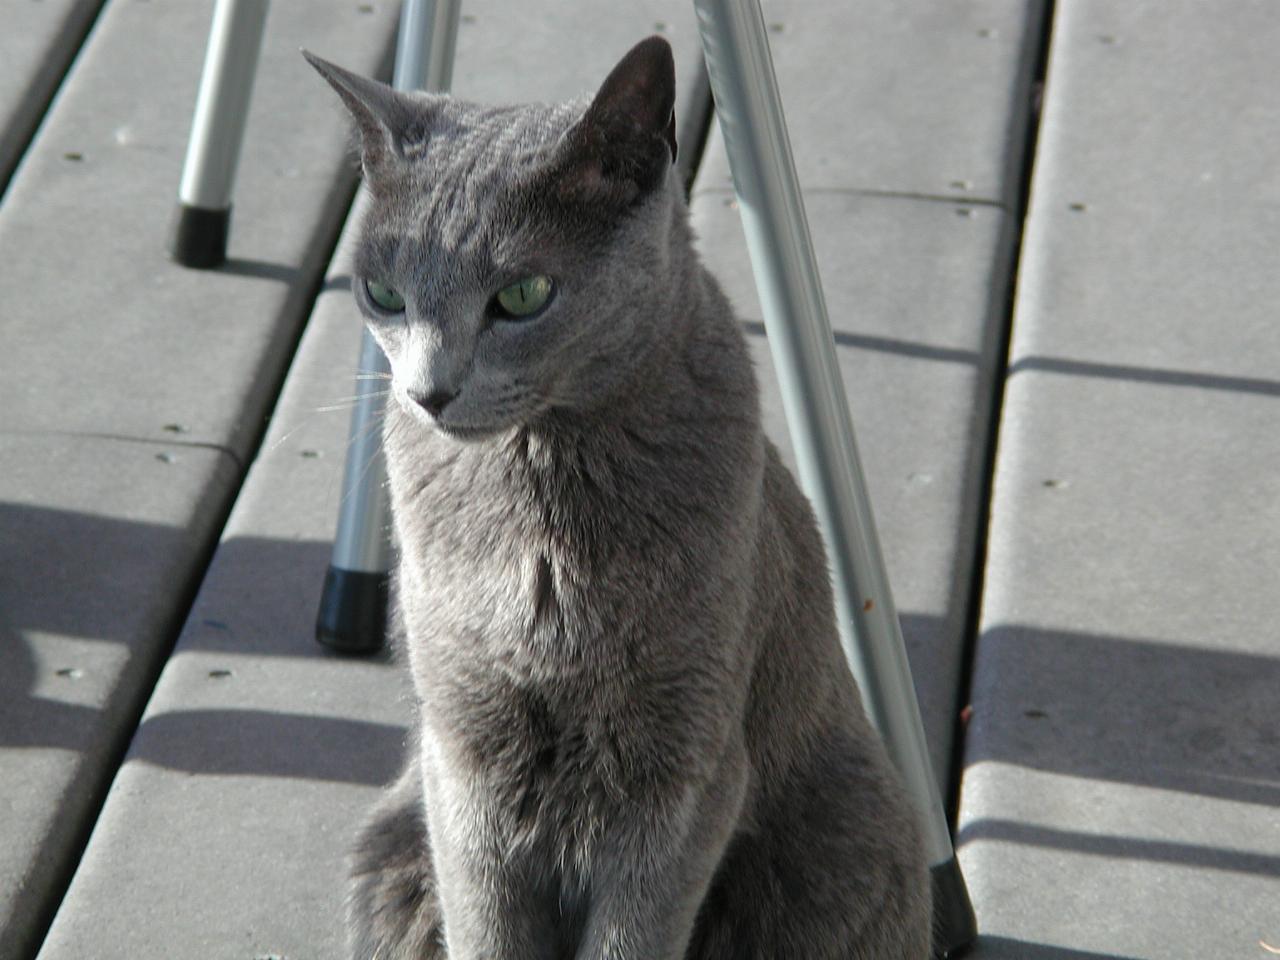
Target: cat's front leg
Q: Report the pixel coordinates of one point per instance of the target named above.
(657, 864)
(486, 897)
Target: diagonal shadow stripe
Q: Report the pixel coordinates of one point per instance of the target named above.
(1006, 948)
(904, 348)
(266, 743)
(1172, 378)
(1121, 848)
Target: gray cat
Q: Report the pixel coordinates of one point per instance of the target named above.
(638, 737)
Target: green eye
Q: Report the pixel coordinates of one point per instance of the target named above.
(385, 297)
(525, 298)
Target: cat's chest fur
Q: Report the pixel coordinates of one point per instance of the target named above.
(569, 593)
(549, 540)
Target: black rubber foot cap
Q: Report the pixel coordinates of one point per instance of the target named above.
(954, 926)
(200, 237)
(353, 611)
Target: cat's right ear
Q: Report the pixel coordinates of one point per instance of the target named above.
(626, 141)
(389, 121)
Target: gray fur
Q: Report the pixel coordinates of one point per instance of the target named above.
(638, 738)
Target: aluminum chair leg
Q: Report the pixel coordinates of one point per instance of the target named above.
(795, 315)
(217, 130)
(353, 604)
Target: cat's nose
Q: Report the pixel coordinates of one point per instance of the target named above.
(435, 401)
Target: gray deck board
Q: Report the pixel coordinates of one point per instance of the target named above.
(132, 391)
(563, 50)
(37, 44)
(94, 310)
(258, 755)
(90, 574)
(1121, 792)
(915, 98)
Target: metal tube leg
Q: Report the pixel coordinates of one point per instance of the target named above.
(795, 315)
(425, 47)
(353, 604)
(217, 130)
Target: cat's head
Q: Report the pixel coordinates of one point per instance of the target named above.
(516, 260)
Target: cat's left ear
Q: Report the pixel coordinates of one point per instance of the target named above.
(626, 141)
(390, 122)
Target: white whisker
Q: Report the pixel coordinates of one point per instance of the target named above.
(375, 423)
(346, 403)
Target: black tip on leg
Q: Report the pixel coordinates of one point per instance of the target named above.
(200, 237)
(954, 925)
(353, 611)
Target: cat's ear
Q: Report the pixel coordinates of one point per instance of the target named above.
(624, 143)
(390, 122)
